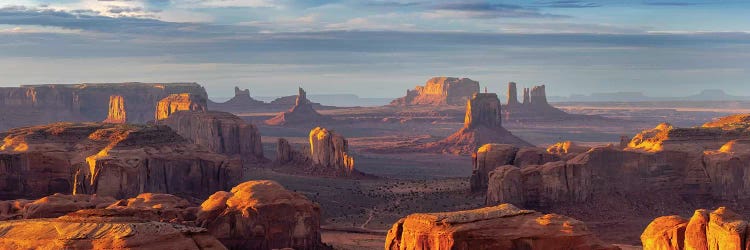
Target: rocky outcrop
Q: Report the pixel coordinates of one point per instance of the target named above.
(50, 206)
(331, 150)
(159, 207)
(490, 156)
(720, 229)
(732, 122)
(41, 104)
(220, 132)
(103, 229)
(262, 215)
(507, 186)
(239, 103)
(179, 102)
(301, 113)
(533, 107)
(440, 91)
(665, 137)
(499, 227)
(482, 125)
(117, 113)
(566, 148)
(287, 155)
(118, 160)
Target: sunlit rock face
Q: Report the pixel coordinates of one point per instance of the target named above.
(301, 113)
(262, 215)
(499, 227)
(665, 137)
(221, 132)
(720, 229)
(51, 206)
(117, 160)
(482, 125)
(566, 148)
(117, 113)
(41, 104)
(440, 91)
(733, 122)
(330, 150)
(179, 102)
(103, 229)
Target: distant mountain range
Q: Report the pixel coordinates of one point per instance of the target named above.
(705, 95)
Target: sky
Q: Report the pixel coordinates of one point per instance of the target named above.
(380, 48)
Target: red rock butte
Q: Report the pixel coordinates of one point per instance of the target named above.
(534, 105)
(179, 102)
(440, 91)
(302, 113)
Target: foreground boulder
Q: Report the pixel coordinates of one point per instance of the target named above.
(720, 229)
(482, 125)
(440, 91)
(262, 215)
(103, 229)
(221, 132)
(500, 227)
(117, 160)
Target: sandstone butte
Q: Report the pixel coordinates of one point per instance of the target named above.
(254, 215)
(179, 102)
(327, 155)
(118, 160)
(87, 102)
(482, 125)
(659, 165)
(240, 102)
(440, 91)
(116, 113)
(720, 229)
(220, 132)
(534, 105)
(301, 113)
(498, 228)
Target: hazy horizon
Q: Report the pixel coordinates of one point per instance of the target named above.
(380, 48)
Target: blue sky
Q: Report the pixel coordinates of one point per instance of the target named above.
(380, 48)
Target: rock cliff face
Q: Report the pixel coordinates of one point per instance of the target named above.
(301, 113)
(499, 227)
(115, 160)
(179, 102)
(440, 91)
(330, 150)
(41, 104)
(220, 132)
(720, 229)
(117, 113)
(482, 125)
(102, 229)
(262, 215)
(533, 107)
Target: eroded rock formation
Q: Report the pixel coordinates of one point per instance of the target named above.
(118, 160)
(533, 107)
(301, 113)
(179, 102)
(440, 91)
(103, 229)
(566, 148)
(720, 229)
(331, 150)
(499, 227)
(262, 215)
(221, 132)
(239, 103)
(482, 125)
(41, 104)
(117, 113)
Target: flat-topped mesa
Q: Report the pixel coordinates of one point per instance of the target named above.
(179, 102)
(665, 137)
(440, 91)
(117, 113)
(499, 227)
(87, 102)
(482, 125)
(119, 160)
(483, 109)
(330, 150)
(301, 113)
(220, 132)
(719, 229)
(512, 94)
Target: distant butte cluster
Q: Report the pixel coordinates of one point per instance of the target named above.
(533, 106)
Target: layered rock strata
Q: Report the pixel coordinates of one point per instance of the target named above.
(719, 229)
(179, 102)
(440, 91)
(117, 113)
